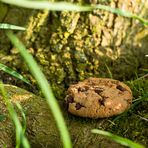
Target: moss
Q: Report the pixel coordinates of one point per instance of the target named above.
(133, 124)
(3, 11)
(41, 128)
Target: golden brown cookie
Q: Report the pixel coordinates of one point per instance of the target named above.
(98, 98)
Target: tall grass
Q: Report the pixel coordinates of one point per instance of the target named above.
(118, 139)
(10, 26)
(45, 88)
(20, 132)
(13, 73)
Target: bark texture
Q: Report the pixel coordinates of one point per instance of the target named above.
(72, 46)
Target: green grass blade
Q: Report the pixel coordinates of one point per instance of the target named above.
(23, 117)
(109, 71)
(56, 6)
(62, 6)
(121, 12)
(46, 89)
(145, 70)
(13, 73)
(118, 139)
(20, 137)
(10, 26)
(115, 10)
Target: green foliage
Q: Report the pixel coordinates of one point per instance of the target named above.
(23, 116)
(11, 27)
(13, 73)
(45, 88)
(20, 137)
(139, 86)
(118, 139)
(109, 71)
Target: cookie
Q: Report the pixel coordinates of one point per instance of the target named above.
(98, 98)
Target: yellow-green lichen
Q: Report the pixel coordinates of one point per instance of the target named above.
(71, 46)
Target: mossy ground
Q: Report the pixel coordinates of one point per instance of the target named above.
(133, 124)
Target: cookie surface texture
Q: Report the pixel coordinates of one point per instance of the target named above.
(98, 98)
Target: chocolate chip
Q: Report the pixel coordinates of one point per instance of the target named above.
(98, 90)
(120, 88)
(78, 106)
(101, 102)
(70, 99)
(83, 89)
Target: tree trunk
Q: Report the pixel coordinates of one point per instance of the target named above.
(72, 46)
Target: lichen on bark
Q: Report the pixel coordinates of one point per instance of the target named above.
(72, 46)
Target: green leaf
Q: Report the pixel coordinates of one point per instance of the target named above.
(57, 6)
(46, 89)
(13, 73)
(118, 139)
(12, 27)
(23, 117)
(20, 137)
(145, 70)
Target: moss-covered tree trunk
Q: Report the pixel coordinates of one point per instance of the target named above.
(71, 46)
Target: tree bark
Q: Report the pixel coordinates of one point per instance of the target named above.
(72, 46)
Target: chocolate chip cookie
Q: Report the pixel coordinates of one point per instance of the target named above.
(98, 98)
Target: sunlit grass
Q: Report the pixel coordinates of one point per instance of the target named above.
(23, 117)
(11, 27)
(118, 139)
(139, 89)
(109, 71)
(45, 88)
(13, 73)
(20, 137)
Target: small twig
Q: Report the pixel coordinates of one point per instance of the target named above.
(143, 77)
(111, 122)
(143, 118)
